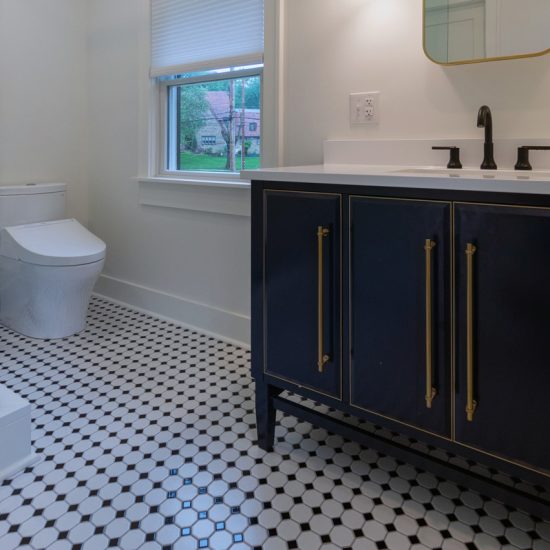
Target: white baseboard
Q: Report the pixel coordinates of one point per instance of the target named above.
(225, 325)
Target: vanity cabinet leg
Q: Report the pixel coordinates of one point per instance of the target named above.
(265, 414)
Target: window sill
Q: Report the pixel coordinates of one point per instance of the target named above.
(231, 198)
(230, 183)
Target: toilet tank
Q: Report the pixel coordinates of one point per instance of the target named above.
(30, 203)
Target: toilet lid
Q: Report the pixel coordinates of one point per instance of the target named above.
(56, 243)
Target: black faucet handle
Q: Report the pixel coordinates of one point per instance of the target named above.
(523, 155)
(454, 160)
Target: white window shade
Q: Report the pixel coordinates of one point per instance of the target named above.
(195, 35)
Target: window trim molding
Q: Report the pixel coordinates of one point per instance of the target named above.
(207, 180)
(213, 77)
(197, 177)
(273, 85)
(215, 197)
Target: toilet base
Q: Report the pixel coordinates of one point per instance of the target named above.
(45, 301)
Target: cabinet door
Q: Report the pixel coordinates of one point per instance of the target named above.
(302, 323)
(400, 310)
(503, 331)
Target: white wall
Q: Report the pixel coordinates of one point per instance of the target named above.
(334, 47)
(43, 95)
(193, 266)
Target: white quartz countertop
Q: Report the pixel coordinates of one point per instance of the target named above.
(417, 177)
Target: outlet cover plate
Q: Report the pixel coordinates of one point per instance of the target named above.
(364, 108)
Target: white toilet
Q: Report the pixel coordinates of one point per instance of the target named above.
(48, 264)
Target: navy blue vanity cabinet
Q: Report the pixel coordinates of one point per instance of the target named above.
(400, 310)
(423, 312)
(503, 331)
(302, 296)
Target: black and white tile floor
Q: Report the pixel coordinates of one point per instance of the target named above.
(146, 433)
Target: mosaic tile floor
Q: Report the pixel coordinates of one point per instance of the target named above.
(146, 436)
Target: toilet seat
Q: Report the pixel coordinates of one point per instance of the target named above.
(55, 243)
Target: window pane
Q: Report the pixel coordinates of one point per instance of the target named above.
(214, 126)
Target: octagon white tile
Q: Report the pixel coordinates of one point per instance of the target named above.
(146, 430)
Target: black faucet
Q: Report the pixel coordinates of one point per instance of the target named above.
(485, 120)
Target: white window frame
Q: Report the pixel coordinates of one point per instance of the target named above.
(162, 86)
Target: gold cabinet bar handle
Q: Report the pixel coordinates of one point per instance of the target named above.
(431, 392)
(470, 402)
(322, 358)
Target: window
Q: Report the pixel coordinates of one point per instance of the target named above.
(208, 119)
(207, 58)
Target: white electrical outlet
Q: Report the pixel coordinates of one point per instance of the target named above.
(364, 108)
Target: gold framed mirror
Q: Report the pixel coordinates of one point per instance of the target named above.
(473, 31)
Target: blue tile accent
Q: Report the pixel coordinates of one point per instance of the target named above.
(171, 494)
(186, 531)
(203, 515)
(187, 481)
(186, 504)
(203, 543)
(218, 500)
(202, 490)
(220, 525)
(238, 537)
(235, 509)
(173, 472)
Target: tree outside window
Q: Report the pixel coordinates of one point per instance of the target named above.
(219, 125)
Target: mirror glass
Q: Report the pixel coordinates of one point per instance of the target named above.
(470, 31)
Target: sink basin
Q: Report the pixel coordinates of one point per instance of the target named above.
(475, 174)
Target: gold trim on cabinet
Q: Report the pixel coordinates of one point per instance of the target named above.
(452, 204)
(350, 312)
(471, 404)
(431, 392)
(322, 357)
(453, 323)
(523, 465)
(453, 438)
(338, 397)
(501, 205)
